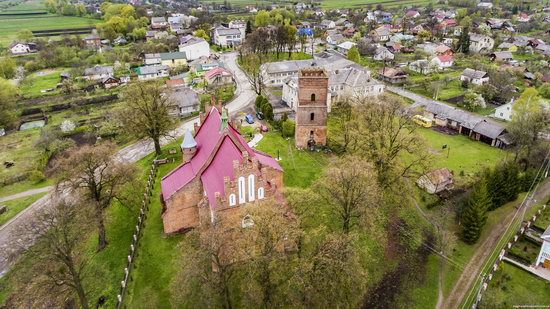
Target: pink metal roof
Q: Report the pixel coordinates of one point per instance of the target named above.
(215, 72)
(221, 164)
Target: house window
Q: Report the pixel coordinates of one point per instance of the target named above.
(313, 97)
(247, 222)
(261, 193)
(242, 189)
(251, 191)
(501, 114)
(312, 116)
(232, 200)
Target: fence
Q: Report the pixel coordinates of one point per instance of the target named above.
(485, 279)
(137, 233)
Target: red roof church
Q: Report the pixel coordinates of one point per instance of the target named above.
(219, 174)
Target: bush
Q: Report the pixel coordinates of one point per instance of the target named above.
(267, 110)
(36, 176)
(288, 128)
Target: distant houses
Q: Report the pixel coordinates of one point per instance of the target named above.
(172, 60)
(481, 43)
(92, 41)
(393, 75)
(152, 71)
(20, 48)
(98, 73)
(227, 37)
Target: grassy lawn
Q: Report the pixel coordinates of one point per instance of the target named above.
(40, 81)
(17, 205)
(513, 286)
(524, 251)
(543, 221)
(463, 156)
(10, 26)
(18, 147)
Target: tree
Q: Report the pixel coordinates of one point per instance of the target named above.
(331, 275)
(7, 67)
(266, 238)
(473, 216)
(200, 33)
(349, 188)
(473, 101)
(262, 19)
(147, 112)
(288, 128)
(206, 272)
(290, 39)
(61, 260)
(98, 177)
(8, 93)
(464, 40)
(342, 127)
(529, 117)
(248, 27)
(353, 55)
(251, 66)
(25, 35)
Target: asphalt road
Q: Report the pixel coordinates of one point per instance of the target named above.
(10, 244)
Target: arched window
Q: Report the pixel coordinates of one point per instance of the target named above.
(261, 193)
(312, 116)
(242, 190)
(313, 97)
(251, 190)
(247, 222)
(232, 200)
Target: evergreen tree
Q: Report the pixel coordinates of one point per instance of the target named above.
(474, 215)
(248, 27)
(464, 40)
(512, 184)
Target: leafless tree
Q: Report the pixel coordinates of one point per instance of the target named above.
(94, 173)
(251, 65)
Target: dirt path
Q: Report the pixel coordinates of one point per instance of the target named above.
(483, 251)
(25, 194)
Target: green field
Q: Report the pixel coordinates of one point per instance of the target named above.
(10, 26)
(39, 81)
(17, 205)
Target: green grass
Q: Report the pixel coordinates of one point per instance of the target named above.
(461, 155)
(513, 286)
(524, 251)
(17, 147)
(40, 81)
(543, 220)
(10, 26)
(17, 205)
(23, 186)
(425, 295)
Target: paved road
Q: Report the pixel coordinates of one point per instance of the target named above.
(10, 250)
(25, 194)
(484, 250)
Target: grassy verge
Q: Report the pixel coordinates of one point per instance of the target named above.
(23, 186)
(17, 205)
(39, 81)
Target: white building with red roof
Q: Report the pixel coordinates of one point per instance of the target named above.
(220, 173)
(442, 62)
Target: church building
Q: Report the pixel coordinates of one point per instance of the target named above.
(312, 108)
(219, 174)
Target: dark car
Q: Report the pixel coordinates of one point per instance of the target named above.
(260, 115)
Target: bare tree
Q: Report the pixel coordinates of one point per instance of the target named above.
(61, 264)
(251, 65)
(350, 189)
(268, 234)
(147, 111)
(94, 172)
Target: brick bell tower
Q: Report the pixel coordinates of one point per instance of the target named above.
(312, 108)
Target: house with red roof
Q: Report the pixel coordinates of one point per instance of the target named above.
(219, 176)
(218, 76)
(442, 62)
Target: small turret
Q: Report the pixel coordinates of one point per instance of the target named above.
(224, 120)
(188, 146)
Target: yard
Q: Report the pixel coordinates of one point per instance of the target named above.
(524, 251)
(512, 286)
(36, 82)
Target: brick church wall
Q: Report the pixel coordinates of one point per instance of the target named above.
(181, 208)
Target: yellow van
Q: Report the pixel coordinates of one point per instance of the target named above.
(422, 121)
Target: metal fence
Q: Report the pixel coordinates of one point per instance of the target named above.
(137, 233)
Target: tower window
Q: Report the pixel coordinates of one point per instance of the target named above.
(251, 190)
(261, 193)
(242, 190)
(313, 97)
(312, 116)
(232, 200)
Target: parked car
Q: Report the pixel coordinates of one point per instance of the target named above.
(264, 128)
(260, 115)
(249, 118)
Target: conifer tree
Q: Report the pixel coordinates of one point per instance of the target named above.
(473, 217)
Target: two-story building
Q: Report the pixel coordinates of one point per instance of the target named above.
(194, 47)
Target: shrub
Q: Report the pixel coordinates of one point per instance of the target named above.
(36, 176)
(288, 128)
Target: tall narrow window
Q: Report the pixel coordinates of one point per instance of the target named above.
(312, 116)
(251, 190)
(242, 190)
(232, 200)
(261, 193)
(313, 97)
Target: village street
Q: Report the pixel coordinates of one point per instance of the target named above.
(10, 248)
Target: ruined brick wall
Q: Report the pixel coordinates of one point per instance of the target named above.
(312, 109)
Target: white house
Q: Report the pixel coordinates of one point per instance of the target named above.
(383, 54)
(328, 24)
(152, 71)
(381, 34)
(344, 47)
(227, 36)
(485, 5)
(504, 111)
(19, 48)
(421, 66)
(480, 43)
(442, 62)
(475, 77)
(335, 39)
(239, 24)
(544, 255)
(436, 181)
(194, 47)
(158, 23)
